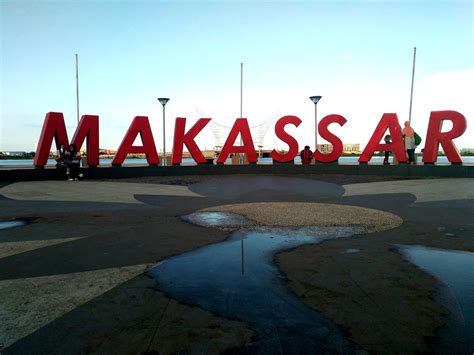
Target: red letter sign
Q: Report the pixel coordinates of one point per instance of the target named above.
(88, 128)
(390, 121)
(181, 138)
(331, 138)
(240, 126)
(285, 137)
(54, 127)
(434, 136)
(140, 125)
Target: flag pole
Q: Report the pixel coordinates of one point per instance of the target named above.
(77, 87)
(412, 82)
(241, 160)
(241, 86)
(241, 157)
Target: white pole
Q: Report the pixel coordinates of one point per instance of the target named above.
(412, 82)
(241, 158)
(77, 88)
(242, 256)
(241, 86)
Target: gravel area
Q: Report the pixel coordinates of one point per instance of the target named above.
(312, 214)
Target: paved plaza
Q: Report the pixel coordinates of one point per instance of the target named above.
(73, 278)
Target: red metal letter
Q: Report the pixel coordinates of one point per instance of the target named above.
(88, 128)
(54, 128)
(434, 136)
(331, 138)
(287, 138)
(388, 121)
(181, 138)
(140, 125)
(240, 126)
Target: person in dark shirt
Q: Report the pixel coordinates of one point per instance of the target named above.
(388, 140)
(60, 158)
(73, 161)
(306, 156)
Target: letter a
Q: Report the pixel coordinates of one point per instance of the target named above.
(240, 126)
(388, 121)
(140, 125)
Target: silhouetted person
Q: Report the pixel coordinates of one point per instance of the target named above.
(60, 158)
(388, 140)
(73, 161)
(306, 156)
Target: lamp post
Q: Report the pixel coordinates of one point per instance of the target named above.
(163, 101)
(315, 100)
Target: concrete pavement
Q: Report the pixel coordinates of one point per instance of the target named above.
(105, 234)
(88, 191)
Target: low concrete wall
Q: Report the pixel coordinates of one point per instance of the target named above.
(319, 169)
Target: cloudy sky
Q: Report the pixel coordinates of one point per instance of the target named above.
(356, 54)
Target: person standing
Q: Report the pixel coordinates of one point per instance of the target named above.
(306, 156)
(73, 160)
(409, 139)
(61, 160)
(388, 140)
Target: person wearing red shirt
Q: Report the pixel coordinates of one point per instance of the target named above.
(306, 156)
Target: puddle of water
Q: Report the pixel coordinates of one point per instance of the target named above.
(238, 279)
(350, 251)
(11, 224)
(455, 269)
(217, 219)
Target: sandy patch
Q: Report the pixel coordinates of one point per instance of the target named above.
(384, 302)
(29, 304)
(13, 248)
(301, 214)
(89, 191)
(425, 190)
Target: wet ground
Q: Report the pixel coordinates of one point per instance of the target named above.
(72, 280)
(217, 219)
(12, 224)
(238, 279)
(455, 271)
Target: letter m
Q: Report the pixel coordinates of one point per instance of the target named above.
(54, 128)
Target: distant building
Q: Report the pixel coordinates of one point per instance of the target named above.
(346, 148)
(467, 151)
(325, 148)
(353, 148)
(107, 152)
(12, 153)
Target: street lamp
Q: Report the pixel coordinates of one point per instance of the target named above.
(163, 101)
(315, 100)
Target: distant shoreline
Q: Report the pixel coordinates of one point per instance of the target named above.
(144, 157)
(187, 155)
